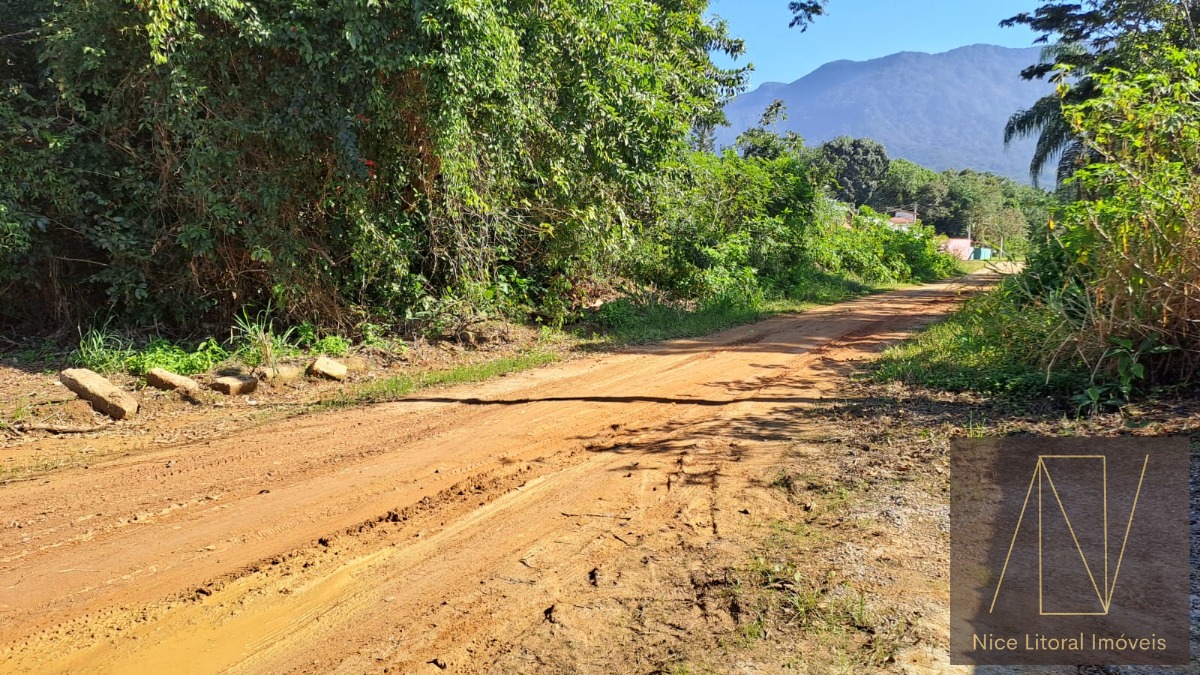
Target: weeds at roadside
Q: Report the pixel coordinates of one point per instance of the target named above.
(162, 353)
(789, 593)
(101, 351)
(394, 388)
(632, 322)
(331, 345)
(836, 622)
(994, 344)
(22, 411)
(256, 342)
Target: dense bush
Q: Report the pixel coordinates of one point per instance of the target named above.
(185, 162)
(177, 159)
(1120, 267)
(740, 227)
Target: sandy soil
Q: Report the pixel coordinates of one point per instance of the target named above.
(566, 519)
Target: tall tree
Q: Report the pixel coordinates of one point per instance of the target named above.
(901, 185)
(763, 141)
(857, 165)
(1083, 38)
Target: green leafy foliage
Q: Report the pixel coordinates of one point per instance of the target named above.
(106, 353)
(180, 159)
(1107, 306)
(332, 345)
(1126, 252)
(995, 344)
(858, 167)
(1083, 38)
(162, 353)
(423, 166)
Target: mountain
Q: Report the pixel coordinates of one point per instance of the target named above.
(945, 111)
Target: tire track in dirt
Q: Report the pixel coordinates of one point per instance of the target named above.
(411, 533)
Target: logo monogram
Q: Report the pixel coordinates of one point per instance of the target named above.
(1043, 481)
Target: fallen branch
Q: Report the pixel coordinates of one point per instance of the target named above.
(59, 428)
(596, 515)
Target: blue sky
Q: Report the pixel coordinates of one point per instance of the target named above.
(864, 29)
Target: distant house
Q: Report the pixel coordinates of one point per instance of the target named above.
(959, 247)
(902, 220)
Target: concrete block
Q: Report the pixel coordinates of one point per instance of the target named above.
(104, 396)
(328, 368)
(235, 385)
(168, 381)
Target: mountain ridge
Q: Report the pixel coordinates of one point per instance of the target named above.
(945, 110)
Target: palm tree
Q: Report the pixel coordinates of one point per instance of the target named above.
(1044, 119)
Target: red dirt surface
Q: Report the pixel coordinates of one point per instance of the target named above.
(445, 531)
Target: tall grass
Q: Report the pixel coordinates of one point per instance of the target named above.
(1001, 342)
(102, 351)
(1131, 246)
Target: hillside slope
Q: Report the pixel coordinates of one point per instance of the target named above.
(944, 111)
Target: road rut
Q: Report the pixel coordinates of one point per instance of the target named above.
(418, 534)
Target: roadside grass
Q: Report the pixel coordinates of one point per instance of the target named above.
(331, 345)
(638, 321)
(256, 342)
(627, 321)
(994, 344)
(782, 595)
(107, 353)
(972, 266)
(397, 387)
(102, 351)
(162, 353)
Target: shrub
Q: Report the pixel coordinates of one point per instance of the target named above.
(1121, 266)
(162, 353)
(331, 345)
(996, 344)
(179, 160)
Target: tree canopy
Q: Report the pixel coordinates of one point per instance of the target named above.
(1085, 38)
(857, 165)
(179, 159)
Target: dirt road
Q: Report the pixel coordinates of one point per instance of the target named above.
(437, 533)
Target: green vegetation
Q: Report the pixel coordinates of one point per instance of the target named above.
(101, 351)
(1084, 41)
(256, 341)
(395, 388)
(629, 321)
(162, 353)
(106, 352)
(1107, 307)
(179, 161)
(992, 345)
(990, 210)
(511, 159)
